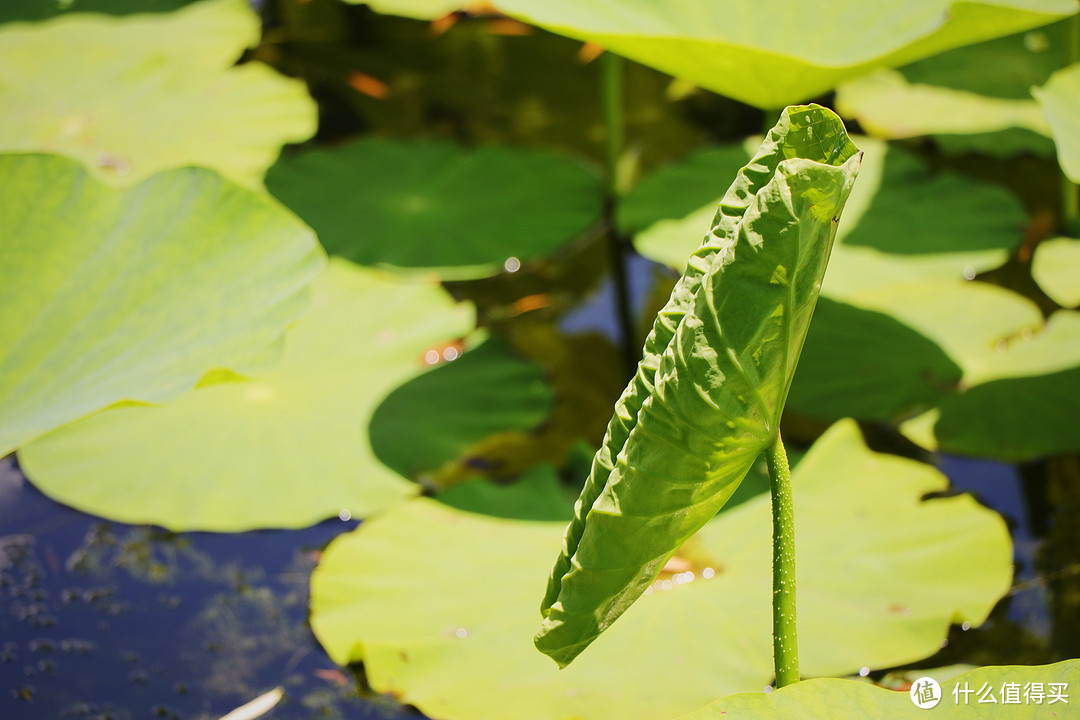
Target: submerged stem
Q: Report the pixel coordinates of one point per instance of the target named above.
(785, 643)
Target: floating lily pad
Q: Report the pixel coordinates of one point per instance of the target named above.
(1060, 100)
(1013, 419)
(771, 54)
(135, 95)
(440, 604)
(889, 106)
(953, 98)
(976, 225)
(438, 206)
(30, 10)
(970, 321)
(286, 448)
(868, 365)
(434, 418)
(675, 191)
(1019, 61)
(1019, 404)
(1056, 267)
(419, 9)
(536, 495)
(670, 211)
(959, 698)
(109, 295)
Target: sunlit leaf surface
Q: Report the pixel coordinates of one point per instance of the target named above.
(420, 9)
(775, 52)
(439, 206)
(109, 295)
(135, 95)
(853, 700)
(439, 603)
(1056, 267)
(1019, 405)
(1060, 100)
(287, 447)
(888, 106)
(975, 225)
(952, 96)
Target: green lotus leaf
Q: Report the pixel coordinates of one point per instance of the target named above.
(381, 202)
(1012, 419)
(769, 54)
(536, 495)
(708, 393)
(868, 365)
(971, 321)
(888, 106)
(109, 295)
(1019, 61)
(1056, 267)
(1060, 100)
(675, 192)
(976, 225)
(1018, 406)
(438, 603)
(287, 447)
(417, 9)
(953, 98)
(135, 95)
(31, 10)
(854, 700)
(435, 417)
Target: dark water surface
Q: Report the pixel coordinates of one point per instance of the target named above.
(104, 620)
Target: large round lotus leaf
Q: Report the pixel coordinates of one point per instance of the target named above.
(1046, 348)
(883, 236)
(774, 53)
(109, 295)
(868, 365)
(888, 106)
(1012, 419)
(1056, 267)
(434, 418)
(135, 95)
(287, 447)
(1021, 404)
(971, 321)
(438, 205)
(440, 604)
(536, 495)
(1060, 100)
(959, 697)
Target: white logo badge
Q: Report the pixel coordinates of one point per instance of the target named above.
(925, 693)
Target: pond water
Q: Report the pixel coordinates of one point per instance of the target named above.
(104, 620)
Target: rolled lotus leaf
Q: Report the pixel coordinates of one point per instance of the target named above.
(708, 393)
